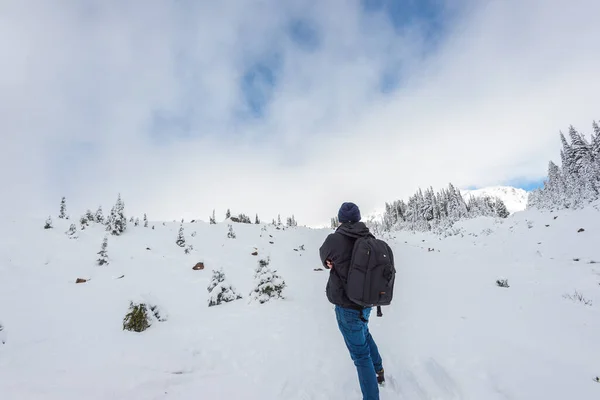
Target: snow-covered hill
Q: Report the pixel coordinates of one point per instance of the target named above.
(515, 199)
(451, 332)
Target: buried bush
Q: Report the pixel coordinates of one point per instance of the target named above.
(502, 283)
(137, 319)
(578, 297)
(221, 291)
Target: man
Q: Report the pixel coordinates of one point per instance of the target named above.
(352, 318)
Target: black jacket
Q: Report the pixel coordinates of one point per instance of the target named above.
(338, 249)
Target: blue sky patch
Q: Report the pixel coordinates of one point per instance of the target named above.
(258, 82)
(430, 16)
(305, 34)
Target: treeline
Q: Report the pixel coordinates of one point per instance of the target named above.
(577, 181)
(428, 210)
(244, 219)
(115, 223)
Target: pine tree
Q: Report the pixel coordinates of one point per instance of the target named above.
(89, 215)
(103, 259)
(99, 215)
(145, 220)
(213, 218)
(577, 181)
(256, 220)
(243, 218)
(427, 207)
(501, 210)
(137, 221)
(269, 285)
(228, 214)
(83, 221)
(596, 141)
(334, 222)
(116, 222)
(231, 233)
(72, 232)
(63, 209)
(220, 291)
(48, 224)
(278, 219)
(180, 238)
(291, 221)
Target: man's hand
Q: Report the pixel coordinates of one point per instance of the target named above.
(329, 264)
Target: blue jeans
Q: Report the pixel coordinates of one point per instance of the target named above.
(362, 347)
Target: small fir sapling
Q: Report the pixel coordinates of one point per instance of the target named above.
(220, 291)
(63, 209)
(180, 238)
(231, 233)
(269, 285)
(103, 259)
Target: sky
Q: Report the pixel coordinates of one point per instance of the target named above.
(284, 107)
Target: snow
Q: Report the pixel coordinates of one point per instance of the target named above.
(515, 199)
(450, 333)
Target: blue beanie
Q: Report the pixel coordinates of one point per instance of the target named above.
(349, 212)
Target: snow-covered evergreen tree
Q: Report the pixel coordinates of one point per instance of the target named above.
(83, 221)
(213, 218)
(145, 220)
(48, 224)
(279, 219)
(334, 222)
(137, 222)
(231, 233)
(269, 285)
(577, 181)
(116, 223)
(500, 208)
(228, 214)
(180, 238)
(72, 232)
(103, 259)
(220, 290)
(99, 217)
(291, 221)
(63, 209)
(256, 220)
(243, 218)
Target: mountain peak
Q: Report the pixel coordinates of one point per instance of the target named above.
(514, 198)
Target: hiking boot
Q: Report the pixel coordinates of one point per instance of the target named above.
(380, 377)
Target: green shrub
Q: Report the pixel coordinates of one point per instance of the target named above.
(136, 319)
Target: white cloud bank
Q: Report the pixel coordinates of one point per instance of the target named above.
(82, 84)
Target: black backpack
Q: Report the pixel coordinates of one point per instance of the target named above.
(372, 273)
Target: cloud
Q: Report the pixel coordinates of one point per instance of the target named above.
(284, 107)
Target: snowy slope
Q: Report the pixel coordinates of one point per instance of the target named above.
(515, 199)
(451, 333)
